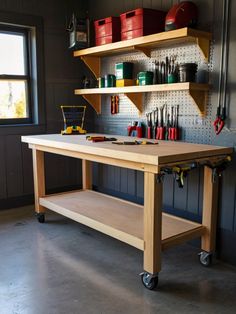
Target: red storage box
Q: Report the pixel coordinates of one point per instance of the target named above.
(107, 30)
(141, 22)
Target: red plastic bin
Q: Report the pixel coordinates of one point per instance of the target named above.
(141, 22)
(107, 30)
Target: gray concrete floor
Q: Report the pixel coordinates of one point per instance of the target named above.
(62, 267)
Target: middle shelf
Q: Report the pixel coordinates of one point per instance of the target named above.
(198, 93)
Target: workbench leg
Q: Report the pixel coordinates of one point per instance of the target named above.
(87, 174)
(39, 179)
(152, 223)
(209, 212)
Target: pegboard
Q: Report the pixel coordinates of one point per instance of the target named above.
(194, 128)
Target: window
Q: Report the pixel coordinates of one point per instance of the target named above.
(15, 98)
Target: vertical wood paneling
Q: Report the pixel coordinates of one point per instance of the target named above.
(180, 196)
(60, 171)
(234, 229)
(14, 166)
(168, 191)
(200, 187)
(228, 200)
(117, 178)
(27, 167)
(193, 191)
(131, 182)
(124, 180)
(3, 185)
(140, 184)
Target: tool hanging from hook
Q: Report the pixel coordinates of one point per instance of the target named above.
(221, 113)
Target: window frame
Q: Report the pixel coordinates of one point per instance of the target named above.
(20, 30)
(35, 26)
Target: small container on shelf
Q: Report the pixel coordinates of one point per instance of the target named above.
(187, 72)
(145, 78)
(110, 80)
(124, 70)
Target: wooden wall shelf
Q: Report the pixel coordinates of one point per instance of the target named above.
(91, 56)
(198, 92)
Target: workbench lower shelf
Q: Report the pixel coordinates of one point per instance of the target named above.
(117, 218)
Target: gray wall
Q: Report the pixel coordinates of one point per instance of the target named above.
(186, 202)
(62, 76)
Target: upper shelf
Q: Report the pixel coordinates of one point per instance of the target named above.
(197, 91)
(91, 56)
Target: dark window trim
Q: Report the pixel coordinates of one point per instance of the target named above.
(35, 26)
(19, 30)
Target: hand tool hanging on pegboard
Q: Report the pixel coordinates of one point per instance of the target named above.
(149, 125)
(161, 130)
(221, 113)
(167, 122)
(171, 127)
(175, 133)
(155, 122)
(114, 104)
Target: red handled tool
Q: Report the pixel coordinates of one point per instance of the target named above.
(161, 130)
(220, 119)
(170, 130)
(149, 125)
(114, 104)
(174, 129)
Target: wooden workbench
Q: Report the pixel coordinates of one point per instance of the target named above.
(144, 227)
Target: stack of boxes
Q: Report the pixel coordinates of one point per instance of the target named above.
(129, 25)
(132, 24)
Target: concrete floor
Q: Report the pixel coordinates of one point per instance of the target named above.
(62, 267)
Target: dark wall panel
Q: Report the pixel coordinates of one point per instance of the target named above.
(27, 168)
(62, 75)
(14, 169)
(193, 192)
(3, 185)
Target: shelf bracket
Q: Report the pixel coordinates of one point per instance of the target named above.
(200, 98)
(95, 101)
(136, 99)
(146, 51)
(93, 63)
(204, 45)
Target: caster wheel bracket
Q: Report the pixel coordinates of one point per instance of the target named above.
(40, 217)
(205, 258)
(150, 281)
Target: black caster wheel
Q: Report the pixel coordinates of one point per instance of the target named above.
(40, 217)
(149, 281)
(205, 258)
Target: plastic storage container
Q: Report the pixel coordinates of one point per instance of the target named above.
(124, 70)
(145, 78)
(110, 80)
(187, 72)
(107, 30)
(141, 22)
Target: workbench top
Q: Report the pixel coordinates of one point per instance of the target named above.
(162, 153)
